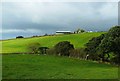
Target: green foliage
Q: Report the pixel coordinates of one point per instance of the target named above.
(111, 42)
(104, 45)
(54, 67)
(43, 50)
(34, 47)
(114, 32)
(75, 53)
(63, 48)
(51, 51)
(78, 53)
(92, 45)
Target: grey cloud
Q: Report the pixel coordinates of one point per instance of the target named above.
(53, 16)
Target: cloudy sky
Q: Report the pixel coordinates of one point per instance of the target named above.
(38, 18)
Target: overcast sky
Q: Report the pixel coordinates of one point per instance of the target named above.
(38, 18)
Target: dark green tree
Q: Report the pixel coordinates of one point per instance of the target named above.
(111, 43)
(92, 47)
(63, 48)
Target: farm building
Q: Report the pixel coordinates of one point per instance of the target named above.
(90, 31)
(63, 32)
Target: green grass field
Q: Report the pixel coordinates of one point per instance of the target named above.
(20, 45)
(54, 67)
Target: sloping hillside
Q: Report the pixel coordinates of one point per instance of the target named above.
(20, 45)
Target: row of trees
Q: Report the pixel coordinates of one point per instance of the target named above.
(62, 48)
(105, 48)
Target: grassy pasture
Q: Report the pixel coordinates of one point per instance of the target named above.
(20, 45)
(54, 67)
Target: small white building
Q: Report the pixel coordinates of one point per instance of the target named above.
(90, 31)
(63, 32)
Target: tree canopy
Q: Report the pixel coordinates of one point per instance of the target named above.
(63, 48)
(92, 46)
(104, 45)
(111, 42)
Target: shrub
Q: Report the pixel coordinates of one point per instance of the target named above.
(34, 47)
(78, 53)
(92, 47)
(63, 48)
(51, 51)
(43, 50)
(75, 53)
(82, 53)
(19, 37)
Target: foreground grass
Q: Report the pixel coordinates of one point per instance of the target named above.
(20, 45)
(53, 67)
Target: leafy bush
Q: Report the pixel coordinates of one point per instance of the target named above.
(75, 53)
(111, 43)
(51, 51)
(34, 47)
(78, 53)
(63, 48)
(43, 50)
(92, 47)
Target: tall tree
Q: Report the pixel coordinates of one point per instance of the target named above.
(111, 42)
(92, 45)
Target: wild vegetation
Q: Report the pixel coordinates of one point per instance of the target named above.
(105, 46)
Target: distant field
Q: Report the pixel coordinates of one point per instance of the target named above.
(54, 67)
(20, 45)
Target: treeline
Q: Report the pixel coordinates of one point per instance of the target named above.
(104, 48)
